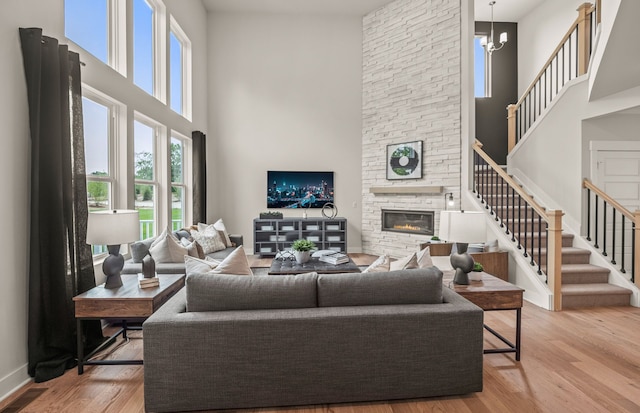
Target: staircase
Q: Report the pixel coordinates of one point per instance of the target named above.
(583, 284)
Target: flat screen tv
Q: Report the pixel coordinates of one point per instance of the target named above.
(299, 189)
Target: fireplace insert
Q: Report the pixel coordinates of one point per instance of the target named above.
(410, 222)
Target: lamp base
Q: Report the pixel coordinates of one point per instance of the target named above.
(112, 266)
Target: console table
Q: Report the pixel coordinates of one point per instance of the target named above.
(493, 262)
(493, 294)
(271, 235)
(127, 301)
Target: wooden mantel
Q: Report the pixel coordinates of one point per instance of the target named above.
(399, 190)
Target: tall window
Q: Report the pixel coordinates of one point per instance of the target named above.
(143, 50)
(482, 69)
(146, 185)
(86, 24)
(179, 70)
(175, 70)
(178, 187)
(99, 138)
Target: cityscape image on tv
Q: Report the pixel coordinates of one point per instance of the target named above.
(294, 189)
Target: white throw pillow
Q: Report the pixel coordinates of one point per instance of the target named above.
(405, 263)
(423, 257)
(167, 249)
(381, 264)
(209, 239)
(197, 266)
(193, 248)
(236, 263)
(222, 230)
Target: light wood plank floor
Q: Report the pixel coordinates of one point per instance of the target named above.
(582, 361)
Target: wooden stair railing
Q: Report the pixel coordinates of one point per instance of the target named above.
(522, 217)
(569, 60)
(601, 229)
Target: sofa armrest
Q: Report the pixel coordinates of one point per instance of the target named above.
(236, 239)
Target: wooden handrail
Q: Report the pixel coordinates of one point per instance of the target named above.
(624, 211)
(548, 62)
(477, 146)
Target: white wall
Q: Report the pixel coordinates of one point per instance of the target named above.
(15, 154)
(538, 35)
(284, 94)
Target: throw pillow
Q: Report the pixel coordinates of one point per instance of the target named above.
(381, 264)
(167, 249)
(193, 248)
(222, 230)
(423, 257)
(194, 265)
(209, 239)
(236, 263)
(405, 263)
(140, 249)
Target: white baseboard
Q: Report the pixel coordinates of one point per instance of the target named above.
(13, 381)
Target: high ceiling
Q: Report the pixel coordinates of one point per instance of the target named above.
(504, 10)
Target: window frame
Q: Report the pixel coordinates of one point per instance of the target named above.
(186, 184)
(186, 65)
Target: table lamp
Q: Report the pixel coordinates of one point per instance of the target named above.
(113, 228)
(462, 227)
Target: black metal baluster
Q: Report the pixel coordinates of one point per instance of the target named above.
(613, 238)
(604, 227)
(526, 224)
(624, 236)
(513, 214)
(502, 210)
(595, 225)
(588, 214)
(490, 192)
(540, 245)
(633, 251)
(533, 243)
(519, 221)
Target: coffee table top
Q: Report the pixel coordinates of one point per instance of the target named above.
(289, 267)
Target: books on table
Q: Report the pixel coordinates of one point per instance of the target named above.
(335, 258)
(147, 282)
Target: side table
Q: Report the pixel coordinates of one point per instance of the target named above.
(128, 301)
(493, 294)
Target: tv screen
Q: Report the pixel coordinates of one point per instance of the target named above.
(298, 189)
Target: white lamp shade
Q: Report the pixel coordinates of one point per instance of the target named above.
(483, 41)
(459, 226)
(113, 227)
(503, 37)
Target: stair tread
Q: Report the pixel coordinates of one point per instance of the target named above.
(594, 289)
(582, 268)
(570, 251)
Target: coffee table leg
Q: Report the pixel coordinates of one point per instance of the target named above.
(80, 346)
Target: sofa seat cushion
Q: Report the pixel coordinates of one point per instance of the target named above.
(415, 286)
(213, 292)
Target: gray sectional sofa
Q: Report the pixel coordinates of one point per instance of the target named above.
(228, 341)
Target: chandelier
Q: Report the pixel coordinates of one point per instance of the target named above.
(488, 44)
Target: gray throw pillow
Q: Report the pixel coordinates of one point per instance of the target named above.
(140, 249)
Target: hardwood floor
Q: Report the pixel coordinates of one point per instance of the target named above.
(584, 360)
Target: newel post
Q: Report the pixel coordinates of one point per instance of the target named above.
(584, 37)
(554, 257)
(511, 127)
(636, 252)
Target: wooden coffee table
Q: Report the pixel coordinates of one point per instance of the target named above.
(126, 302)
(290, 267)
(493, 294)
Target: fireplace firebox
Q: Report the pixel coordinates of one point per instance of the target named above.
(410, 222)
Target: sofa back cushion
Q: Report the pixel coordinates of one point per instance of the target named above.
(213, 292)
(415, 286)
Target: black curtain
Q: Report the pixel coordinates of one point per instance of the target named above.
(199, 176)
(60, 261)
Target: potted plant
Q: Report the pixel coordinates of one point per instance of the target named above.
(477, 269)
(435, 240)
(302, 250)
(271, 215)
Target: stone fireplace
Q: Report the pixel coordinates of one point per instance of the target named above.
(410, 222)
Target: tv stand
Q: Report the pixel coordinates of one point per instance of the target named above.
(272, 235)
